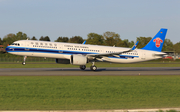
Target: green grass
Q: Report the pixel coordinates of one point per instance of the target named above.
(88, 92)
(99, 64)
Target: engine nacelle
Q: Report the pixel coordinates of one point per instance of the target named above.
(63, 61)
(78, 59)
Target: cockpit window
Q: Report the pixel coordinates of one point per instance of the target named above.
(16, 44)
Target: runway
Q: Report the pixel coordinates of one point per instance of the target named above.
(101, 71)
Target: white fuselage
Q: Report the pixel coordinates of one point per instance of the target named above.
(65, 50)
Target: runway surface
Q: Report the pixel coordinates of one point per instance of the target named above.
(100, 71)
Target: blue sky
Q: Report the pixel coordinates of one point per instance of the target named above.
(54, 18)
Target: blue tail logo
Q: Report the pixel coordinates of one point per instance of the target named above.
(156, 43)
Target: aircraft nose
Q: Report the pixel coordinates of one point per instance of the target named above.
(8, 48)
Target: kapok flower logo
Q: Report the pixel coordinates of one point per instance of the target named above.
(158, 41)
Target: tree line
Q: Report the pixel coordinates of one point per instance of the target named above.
(107, 39)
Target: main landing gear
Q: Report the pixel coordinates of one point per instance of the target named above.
(93, 67)
(24, 61)
(82, 67)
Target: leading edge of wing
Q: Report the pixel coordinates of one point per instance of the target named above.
(111, 54)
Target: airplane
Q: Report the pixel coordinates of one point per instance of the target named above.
(81, 54)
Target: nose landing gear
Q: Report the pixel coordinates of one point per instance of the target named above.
(24, 62)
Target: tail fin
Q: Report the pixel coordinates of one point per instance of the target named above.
(156, 43)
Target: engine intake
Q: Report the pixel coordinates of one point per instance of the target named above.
(78, 59)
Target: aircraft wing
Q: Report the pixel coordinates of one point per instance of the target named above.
(112, 54)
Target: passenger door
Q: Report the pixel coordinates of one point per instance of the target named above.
(143, 55)
(26, 44)
(60, 48)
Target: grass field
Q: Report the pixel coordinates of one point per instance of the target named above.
(88, 92)
(98, 64)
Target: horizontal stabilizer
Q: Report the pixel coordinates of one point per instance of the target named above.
(159, 54)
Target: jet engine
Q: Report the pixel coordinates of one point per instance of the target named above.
(78, 59)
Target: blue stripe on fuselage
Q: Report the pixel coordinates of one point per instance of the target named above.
(65, 52)
(40, 50)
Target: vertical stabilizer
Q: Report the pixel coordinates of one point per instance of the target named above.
(156, 43)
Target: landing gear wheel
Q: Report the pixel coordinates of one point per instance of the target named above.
(83, 67)
(93, 68)
(23, 63)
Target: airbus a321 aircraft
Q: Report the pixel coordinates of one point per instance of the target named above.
(81, 54)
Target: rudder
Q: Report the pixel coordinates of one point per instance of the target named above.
(156, 43)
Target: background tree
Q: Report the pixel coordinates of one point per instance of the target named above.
(95, 39)
(1, 42)
(131, 44)
(125, 43)
(62, 39)
(21, 36)
(41, 38)
(168, 45)
(33, 38)
(177, 47)
(143, 41)
(46, 38)
(76, 39)
(111, 38)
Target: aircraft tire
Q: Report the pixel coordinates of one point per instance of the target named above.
(23, 63)
(93, 68)
(82, 67)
